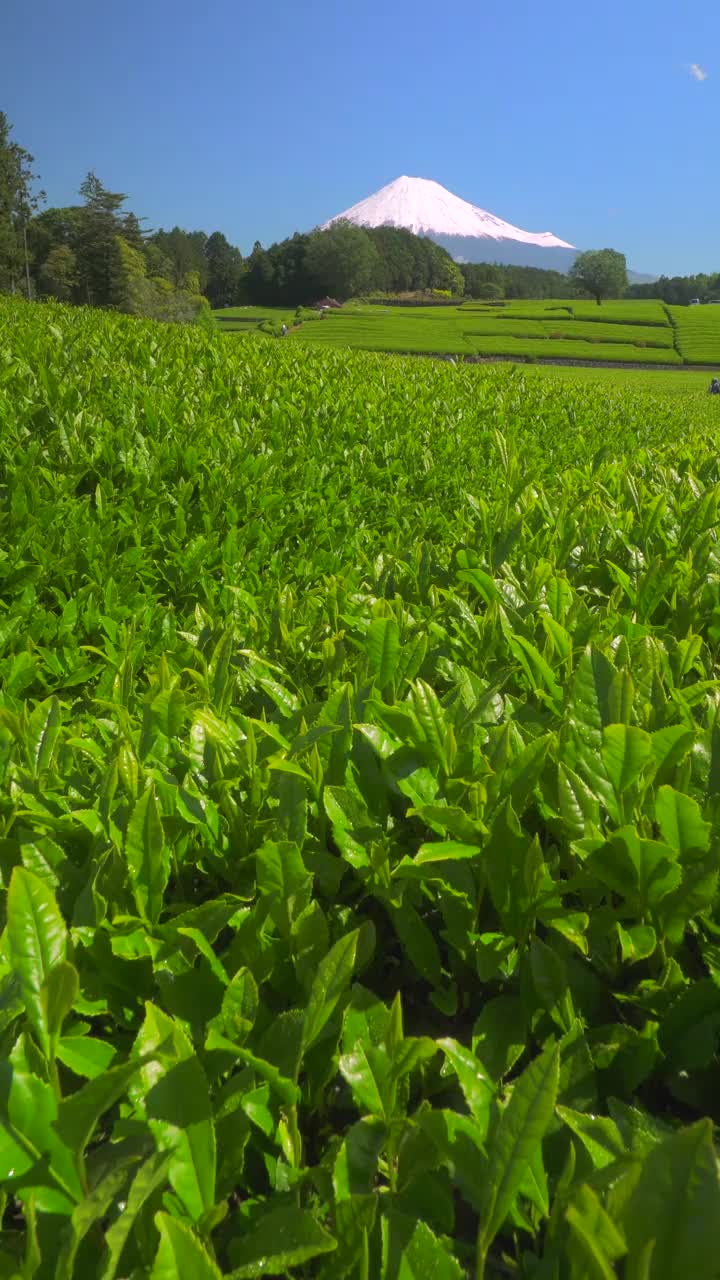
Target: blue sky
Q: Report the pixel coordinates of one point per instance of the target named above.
(258, 119)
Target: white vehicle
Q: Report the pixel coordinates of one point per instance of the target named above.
(694, 302)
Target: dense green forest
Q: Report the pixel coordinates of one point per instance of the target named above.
(488, 280)
(678, 290)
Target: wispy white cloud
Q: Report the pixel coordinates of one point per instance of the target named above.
(697, 72)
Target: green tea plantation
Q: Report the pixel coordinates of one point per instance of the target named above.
(625, 331)
(359, 814)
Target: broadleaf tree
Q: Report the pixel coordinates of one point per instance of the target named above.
(601, 273)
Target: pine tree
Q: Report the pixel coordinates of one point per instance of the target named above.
(17, 205)
(260, 278)
(225, 268)
(132, 232)
(99, 222)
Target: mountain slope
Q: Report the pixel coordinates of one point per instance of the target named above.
(507, 252)
(426, 208)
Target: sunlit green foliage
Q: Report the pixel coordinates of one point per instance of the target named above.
(560, 326)
(548, 329)
(688, 384)
(587, 347)
(546, 334)
(359, 790)
(697, 332)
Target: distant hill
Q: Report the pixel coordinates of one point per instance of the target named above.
(637, 277)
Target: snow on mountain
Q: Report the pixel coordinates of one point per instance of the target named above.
(427, 208)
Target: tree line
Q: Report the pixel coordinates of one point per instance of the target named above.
(486, 280)
(98, 253)
(601, 273)
(346, 261)
(679, 290)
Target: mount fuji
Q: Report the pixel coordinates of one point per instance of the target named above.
(469, 233)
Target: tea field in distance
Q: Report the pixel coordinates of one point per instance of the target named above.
(690, 384)
(359, 805)
(625, 332)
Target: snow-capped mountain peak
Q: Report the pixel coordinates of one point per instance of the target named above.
(426, 208)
